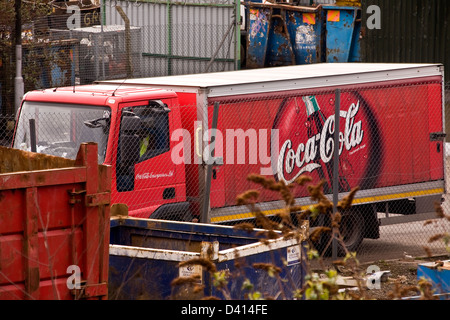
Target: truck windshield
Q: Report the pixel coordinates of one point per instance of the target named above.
(59, 129)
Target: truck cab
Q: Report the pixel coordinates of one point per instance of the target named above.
(132, 128)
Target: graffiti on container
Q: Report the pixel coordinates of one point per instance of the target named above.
(259, 21)
(305, 40)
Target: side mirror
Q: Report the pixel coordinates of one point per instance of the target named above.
(131, 123)
(129, 149)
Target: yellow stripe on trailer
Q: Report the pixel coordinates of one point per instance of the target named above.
(365, 200)
(398, 196)
(245, 215)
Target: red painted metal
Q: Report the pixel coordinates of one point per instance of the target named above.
(52, 219)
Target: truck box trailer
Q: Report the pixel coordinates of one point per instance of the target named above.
(54, 226)
(182, 147)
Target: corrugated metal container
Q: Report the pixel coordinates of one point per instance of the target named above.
(54, 226)
(191, 36)
(412, 31)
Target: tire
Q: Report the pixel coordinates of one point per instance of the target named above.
(179, 211)
(351, 230)
(324, 238)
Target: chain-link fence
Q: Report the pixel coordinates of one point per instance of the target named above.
(395, 164)
(68, 43)
(180, 38)
(390, 147)
(387, 149)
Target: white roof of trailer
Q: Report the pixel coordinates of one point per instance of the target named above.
(285, 78)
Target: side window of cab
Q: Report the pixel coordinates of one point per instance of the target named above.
(154, 133)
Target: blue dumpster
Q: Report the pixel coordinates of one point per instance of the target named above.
(145, 257)
(438, 276)
(306, 32)
(343, 26)
(258, 36)
(280, 51)
(281, 34)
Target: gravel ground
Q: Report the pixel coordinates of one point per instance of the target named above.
(402, 276)
(400, 283)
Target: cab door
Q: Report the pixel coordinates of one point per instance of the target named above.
(147, 178)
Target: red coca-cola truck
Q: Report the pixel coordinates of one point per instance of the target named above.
(182, 147)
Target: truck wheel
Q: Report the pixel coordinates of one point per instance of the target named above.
(324, 238)
(352, 231)
(179, 211)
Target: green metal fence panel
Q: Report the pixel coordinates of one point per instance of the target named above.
(192, 36)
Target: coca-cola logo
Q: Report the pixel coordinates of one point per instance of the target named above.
(322, 144)
(306, 135)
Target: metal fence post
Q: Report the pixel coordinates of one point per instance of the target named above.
(205, 218)
(337, 110)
